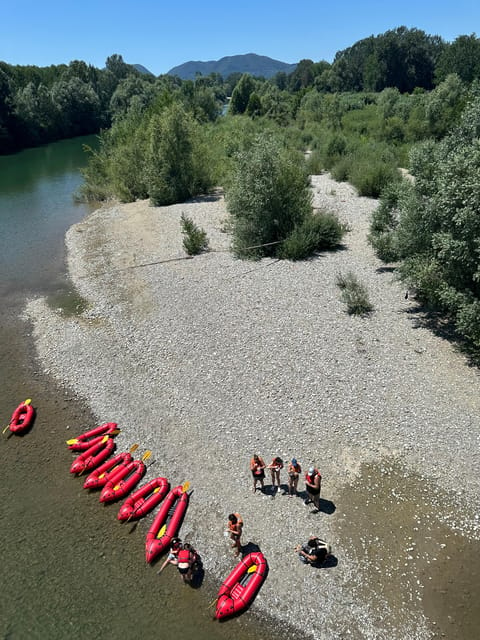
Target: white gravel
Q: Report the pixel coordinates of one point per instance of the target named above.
(209, 360)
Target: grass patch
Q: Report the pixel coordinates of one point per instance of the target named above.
(195, 239)
(354, 294)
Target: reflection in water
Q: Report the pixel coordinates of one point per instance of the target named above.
(36, 209)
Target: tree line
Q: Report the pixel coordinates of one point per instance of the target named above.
(42, 104)
(360, 118)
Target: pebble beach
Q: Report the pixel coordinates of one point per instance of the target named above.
(208, 360)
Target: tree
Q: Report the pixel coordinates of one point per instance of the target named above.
(176, 165)
(461, 57)
(241, 94)
(268, 197)
(117, 66)
(433, 225)
(303, 76)
(132, 90)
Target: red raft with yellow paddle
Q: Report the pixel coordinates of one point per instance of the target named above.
(86, 440)
(22, 418)
(242, 585)
(123, 480)
(93, 456)
(99, 477)
(167, 522)
(144, 499)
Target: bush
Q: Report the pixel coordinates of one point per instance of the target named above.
(354, 294)
(370, 179)
(194, 238)
(176, 167)
(315, 164)
(269, 195)
(317, 232)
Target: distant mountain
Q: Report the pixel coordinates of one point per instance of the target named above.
(141, 69)
(249, 63)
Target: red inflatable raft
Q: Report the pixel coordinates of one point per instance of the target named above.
(144, 499)
(102, 474)
(167, 523)
(22, 417)
(93, 456)
(89, 438)
(122, 481)
(242, 585)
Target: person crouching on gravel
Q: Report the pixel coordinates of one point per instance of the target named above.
(313, 485)
(186, 558)
(314, 552)
(257, 467)
(235, 527)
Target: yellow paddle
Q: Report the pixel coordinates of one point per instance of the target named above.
(185, 487)
(75, 440)
(27, 401)
(145, 456)
(252, 568)
(132, 449)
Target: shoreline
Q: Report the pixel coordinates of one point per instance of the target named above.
(209, 360)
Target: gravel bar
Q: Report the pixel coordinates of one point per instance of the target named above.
(211, 359)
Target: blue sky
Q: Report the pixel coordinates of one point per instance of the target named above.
(162, 34)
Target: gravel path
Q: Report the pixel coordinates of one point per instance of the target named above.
(209, 360)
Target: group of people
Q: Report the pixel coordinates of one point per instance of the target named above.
(184, 557)
(313, 478)
(314, 551)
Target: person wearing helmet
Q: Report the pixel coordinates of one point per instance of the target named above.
(294, 470)
(172, 557)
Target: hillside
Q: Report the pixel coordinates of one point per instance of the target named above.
(249, 63)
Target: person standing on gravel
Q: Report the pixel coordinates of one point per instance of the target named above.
(313, 484)
(235, 527)
(294, 470)
(257, 467)
(275, 466)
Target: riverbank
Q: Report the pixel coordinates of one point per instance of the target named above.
(208, 360)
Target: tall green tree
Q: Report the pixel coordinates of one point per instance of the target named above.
(241, 94)
(268, 197)
(461, 57)
(176, 164)
(433, 224)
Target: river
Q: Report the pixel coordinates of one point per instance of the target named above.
(68, 567)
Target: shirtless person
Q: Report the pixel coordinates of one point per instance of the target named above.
(235, 527)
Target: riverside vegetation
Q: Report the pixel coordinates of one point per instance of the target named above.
(361, 118)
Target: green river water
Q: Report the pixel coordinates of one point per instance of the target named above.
(68, 568)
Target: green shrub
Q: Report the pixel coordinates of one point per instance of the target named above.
(371, 178)
(269, 195)
(315, 164)
(317, 232)
(354, 294)
(194, 238)
(341, 169)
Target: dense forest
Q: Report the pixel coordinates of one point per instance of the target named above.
(400, 99)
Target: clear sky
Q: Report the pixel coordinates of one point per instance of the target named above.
(161, 34)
